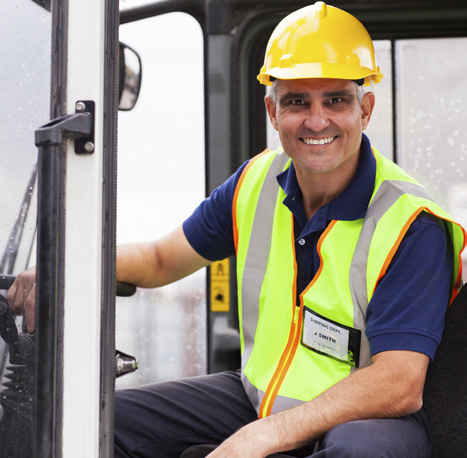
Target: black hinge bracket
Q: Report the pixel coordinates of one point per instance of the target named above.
(78, 127)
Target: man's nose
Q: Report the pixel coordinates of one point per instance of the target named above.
(317, 118)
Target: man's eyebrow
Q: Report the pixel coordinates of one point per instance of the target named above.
(343, 93)
(304, 95)
(293, 95)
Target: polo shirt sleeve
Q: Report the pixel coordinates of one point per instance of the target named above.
(407, 309)
(209, 229)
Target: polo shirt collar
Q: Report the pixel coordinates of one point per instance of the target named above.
(350, 205)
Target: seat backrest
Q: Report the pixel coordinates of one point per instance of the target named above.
(445, 394)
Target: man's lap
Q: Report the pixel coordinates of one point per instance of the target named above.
(405, 437)
(165, 418)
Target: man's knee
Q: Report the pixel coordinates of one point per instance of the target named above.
(376, 438)
(355, 439)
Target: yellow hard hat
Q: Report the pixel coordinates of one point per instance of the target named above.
(320, 41)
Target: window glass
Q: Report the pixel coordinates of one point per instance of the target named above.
(431, 117)
(161, 180)
(25, 34)
(380, 129)
(25, 92)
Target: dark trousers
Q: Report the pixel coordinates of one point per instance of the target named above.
(164, 419)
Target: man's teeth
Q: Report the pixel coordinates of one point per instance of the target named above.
(322, 141)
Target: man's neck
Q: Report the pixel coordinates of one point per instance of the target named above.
(319, 189)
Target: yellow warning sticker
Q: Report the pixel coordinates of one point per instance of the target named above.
(220, 286)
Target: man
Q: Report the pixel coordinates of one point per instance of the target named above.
(345, 268)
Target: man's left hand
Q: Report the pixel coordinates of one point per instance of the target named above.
(251, 441)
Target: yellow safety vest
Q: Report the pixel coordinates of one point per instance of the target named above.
(278, 371)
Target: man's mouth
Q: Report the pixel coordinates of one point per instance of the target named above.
(316, 141)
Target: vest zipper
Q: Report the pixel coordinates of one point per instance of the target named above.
(294, 336)
(290, 348)
(295, 317)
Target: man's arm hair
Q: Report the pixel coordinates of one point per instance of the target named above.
(158, 263)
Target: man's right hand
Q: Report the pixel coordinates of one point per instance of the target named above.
(22, 297)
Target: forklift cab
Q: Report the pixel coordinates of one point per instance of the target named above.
(199, 116)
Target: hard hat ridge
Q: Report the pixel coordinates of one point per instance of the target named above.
(321, 10)
(320, 41)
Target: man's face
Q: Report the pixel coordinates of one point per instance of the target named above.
(320, 123)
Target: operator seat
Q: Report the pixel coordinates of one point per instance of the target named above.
(445, 393)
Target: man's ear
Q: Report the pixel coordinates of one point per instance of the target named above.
(271, 109)
(367, 105)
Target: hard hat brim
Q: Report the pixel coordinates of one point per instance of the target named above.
(320, 70)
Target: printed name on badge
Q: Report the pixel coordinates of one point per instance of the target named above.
(330, 338)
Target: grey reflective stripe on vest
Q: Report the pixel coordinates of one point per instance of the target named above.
(256, 396)
(255, 266)
(258, 253)
(386, 196)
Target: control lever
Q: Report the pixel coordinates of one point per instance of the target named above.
(6, 281)
(21, 348)
(125, 363)
(123, 289)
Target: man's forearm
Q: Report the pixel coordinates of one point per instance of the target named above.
(153, 264)
(377, 391)
(137, 264)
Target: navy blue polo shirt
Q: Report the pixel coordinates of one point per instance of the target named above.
(407, 309)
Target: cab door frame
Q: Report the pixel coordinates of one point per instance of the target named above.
(75, 363)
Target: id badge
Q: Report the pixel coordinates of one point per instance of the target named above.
(330, 338)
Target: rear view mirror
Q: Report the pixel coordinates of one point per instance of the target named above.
(130, 72)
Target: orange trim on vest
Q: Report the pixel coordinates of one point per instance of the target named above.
(237, 191)
(295, 332)
(458, 282)
(395, 247)
(271, 391)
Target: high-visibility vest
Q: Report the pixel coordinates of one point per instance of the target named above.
(278, 372)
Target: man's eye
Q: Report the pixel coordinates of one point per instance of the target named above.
(297, 102)
(335, 100)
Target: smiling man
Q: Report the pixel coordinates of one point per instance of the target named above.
(345, 268)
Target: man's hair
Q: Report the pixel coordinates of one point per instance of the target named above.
(272, 93)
